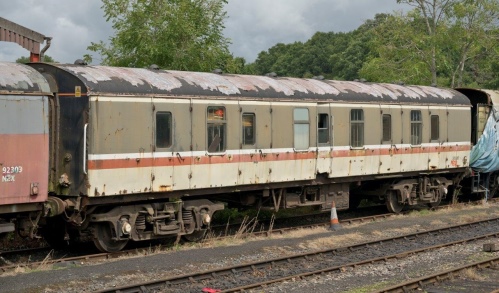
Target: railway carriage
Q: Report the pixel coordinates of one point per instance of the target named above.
(484, 158)
(140, 154)
(24, 145)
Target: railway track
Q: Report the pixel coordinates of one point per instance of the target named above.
(264, 273)
(428, 283)
(79, 260)
(37, 257)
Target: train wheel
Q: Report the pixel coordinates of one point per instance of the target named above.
(436, 203)
(392, 202)
(103, 239)
(195, 236)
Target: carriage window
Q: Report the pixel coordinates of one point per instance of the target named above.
(357, 128)
(301, 128)
(416, 127)
(248, 129)
(216, 124)
(163, 129)
(323, 128)
(435, 127)
(387, 128)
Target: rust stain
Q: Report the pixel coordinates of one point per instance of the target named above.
(164, 188)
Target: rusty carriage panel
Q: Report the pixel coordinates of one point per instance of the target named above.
(120, 141)
(24, 135)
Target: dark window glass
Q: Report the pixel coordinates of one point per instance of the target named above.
(416, 127)
(323, 128)
(357, 128)
(301, 128)
(387, 127)
(163, 129)
(216, 125)
(435, 127)
(248, 129)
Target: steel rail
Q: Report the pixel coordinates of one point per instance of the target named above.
(23, 250)
(266, 233)
(420, 283)
(193, 277)
(145, 251)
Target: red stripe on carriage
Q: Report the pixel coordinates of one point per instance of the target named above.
(181, 160)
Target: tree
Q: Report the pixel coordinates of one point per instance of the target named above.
(434, 13)
(439, 42)
(332, 55)
(173, 34)
(473, 33)
(399, 50)
(46, 58)
(266, 59)
(483, 67)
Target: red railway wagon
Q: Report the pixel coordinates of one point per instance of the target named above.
(25, 98)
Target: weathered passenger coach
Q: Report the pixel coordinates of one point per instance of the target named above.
(118, 154)
(145, 153)
(24, 144)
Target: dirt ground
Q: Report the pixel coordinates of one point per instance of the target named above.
(75, 277)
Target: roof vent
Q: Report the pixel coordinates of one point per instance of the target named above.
(320, 77)
(218, 71)
(271, 74)
(154, 67)
(400, 82)
(80, 62)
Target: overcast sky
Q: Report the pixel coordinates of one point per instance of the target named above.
(252, 25)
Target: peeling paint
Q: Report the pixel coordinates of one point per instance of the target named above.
(20, 77)
(133, 81)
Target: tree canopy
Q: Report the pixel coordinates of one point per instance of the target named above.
(439, 42)
(444, 42)
(329, 54)
(450, 43)
(173, 34)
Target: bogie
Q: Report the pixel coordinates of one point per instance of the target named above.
(112, 229)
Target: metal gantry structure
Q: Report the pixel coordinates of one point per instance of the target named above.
(25, 37)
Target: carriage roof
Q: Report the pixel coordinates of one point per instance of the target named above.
(100, 80)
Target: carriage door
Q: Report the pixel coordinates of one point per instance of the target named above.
(438, 136)
(390, 139)
(251, 116)
(171, 156)
(324, 139)
(254, 142)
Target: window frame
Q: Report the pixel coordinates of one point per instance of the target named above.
(383, 128)
(243, 128)
(435, 128)
(157, 129)
(299, 123)
(221, 123)
(359, 125)
(327, 128)
(416, 126)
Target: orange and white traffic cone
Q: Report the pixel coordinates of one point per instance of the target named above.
(335, 224)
